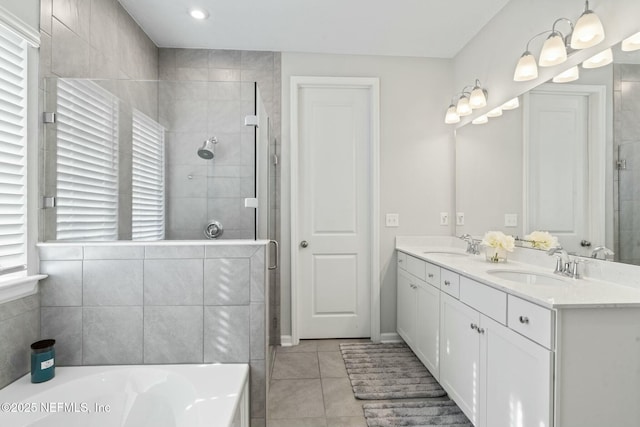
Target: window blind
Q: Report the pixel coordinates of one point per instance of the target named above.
(148, 214)
(13, 145)
(87, 162)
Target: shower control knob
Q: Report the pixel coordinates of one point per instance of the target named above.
(304, 244)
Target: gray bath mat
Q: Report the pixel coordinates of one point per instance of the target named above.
(387, 371)
(424, 414)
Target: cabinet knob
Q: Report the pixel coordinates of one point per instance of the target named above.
(523, 319)
(447, 283)
(400, 261)
(474, 326)
(480, 330)
(430, 275)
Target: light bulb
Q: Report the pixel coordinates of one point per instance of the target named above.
(527, 69)
(553, 51)
(477, 99)
(631, 43)
(567, 76)
(511, 104)
(600, 60)
(480, 120)
(199, 14)
(496, 112)
(588, 30)
(463, 108)
(452, 116)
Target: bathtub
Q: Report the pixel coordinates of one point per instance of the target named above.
(210, 395)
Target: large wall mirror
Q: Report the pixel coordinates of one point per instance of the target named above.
(567, 161)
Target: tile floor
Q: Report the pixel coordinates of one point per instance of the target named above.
(310, 388)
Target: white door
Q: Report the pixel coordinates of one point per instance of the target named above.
(428, 327)
(558, 167)
(518, 379)
(333, 202)
(460, 355)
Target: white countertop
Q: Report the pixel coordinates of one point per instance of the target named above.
(573, 293)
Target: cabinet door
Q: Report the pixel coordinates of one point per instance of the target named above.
(460, 355)
(406, 308)
(428, 327)
(518, 379)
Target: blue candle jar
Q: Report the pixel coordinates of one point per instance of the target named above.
(43, 361)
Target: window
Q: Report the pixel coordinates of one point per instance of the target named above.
(13, 151)
(148, 219)
(87, 162)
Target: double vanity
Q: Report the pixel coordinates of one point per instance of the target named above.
(515, 345)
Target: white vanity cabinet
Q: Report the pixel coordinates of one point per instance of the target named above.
(418, 308)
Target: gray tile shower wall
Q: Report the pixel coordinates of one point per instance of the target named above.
(19, 327)
(156, 303)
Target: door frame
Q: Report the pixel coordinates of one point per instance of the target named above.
(372, 84)
(596, 146)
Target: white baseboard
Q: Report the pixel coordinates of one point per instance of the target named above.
(286, 340)
(390, 337)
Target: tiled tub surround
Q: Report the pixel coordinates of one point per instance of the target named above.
(159, 303)
(19, 327)
(587, 330)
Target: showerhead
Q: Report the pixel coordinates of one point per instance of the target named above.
(207, 150)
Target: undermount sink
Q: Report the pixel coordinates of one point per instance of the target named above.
(445, 253)
(528, 277)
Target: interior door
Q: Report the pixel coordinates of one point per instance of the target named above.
(558, 166)
(334, 249)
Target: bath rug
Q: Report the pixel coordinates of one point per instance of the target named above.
(387, 371)
(439, 413)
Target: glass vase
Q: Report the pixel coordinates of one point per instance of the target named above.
(495, 254)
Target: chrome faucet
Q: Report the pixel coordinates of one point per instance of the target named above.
(473, 245)
(606, 251)
(564, 264)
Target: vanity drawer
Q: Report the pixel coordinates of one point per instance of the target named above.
(531, 320)
(402, 260)
(487, 300)
(417, 267)
(450, 282)
(433, 274)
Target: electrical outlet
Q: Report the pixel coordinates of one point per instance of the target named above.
(510, 220)
(392, 220)
(460, 218)
(444, 218)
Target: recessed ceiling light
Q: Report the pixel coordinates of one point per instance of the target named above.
(199, 14)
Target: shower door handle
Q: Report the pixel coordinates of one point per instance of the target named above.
(304, 244)
(277, 256)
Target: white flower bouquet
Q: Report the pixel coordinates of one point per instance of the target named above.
(496, 245)
(541, 240)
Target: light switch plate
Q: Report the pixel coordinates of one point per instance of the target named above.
(510, 220)
(444, 218)
(459, 218)
(392, 220)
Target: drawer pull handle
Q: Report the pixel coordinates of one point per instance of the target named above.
(524, 319)
(430, 275)
(447, 283)
(474, 326)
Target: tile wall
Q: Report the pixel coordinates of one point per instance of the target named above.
(136, 304)
(19, 327)
(627, 147)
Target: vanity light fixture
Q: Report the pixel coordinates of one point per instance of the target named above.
(452, 116)
(496, 112)
(600, 60)
(631, 43)
(553, 51)
(527, 69)
(511, 104)
(199, 14)
(480, 120)
(463, 108)
(567, 76)
(478, 97)
(588, 30)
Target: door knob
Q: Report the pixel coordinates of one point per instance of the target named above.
(304, 244)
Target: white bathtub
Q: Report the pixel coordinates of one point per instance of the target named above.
(131, 396)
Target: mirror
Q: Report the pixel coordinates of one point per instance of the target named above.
(122, 160)
(563, 162)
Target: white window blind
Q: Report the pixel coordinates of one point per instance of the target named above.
(148, 216)
(13, 145)
(87, 162)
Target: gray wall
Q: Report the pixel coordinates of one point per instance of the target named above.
(19, 327)
(136, 304)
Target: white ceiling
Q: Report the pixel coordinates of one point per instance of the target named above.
(426, 28)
